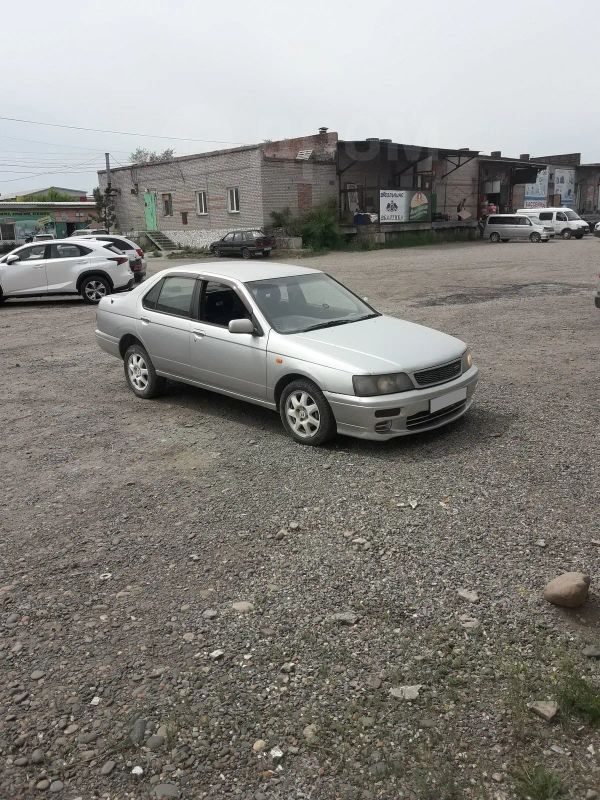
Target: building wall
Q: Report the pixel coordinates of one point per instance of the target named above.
(182, 178)
(297, 185)
(462, 184)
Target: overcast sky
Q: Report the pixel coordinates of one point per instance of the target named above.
(520, 77)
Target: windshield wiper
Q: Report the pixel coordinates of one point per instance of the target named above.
(333, 322)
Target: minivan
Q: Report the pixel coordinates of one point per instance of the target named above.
(564, 221)
(503, 227)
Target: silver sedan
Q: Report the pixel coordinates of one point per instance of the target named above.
(293, 340)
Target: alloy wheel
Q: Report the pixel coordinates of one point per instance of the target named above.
(303, 414)
(137, 370)
(95, 291)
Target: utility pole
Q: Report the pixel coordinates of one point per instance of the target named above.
(108, 194)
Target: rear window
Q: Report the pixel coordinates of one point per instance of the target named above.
(114, 248)
(120, 243)
(176, 296)
(68, 250)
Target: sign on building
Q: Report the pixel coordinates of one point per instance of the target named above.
(404, 205)
(564, 185)
(536, 193)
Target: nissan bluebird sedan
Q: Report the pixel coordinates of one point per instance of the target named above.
(291, 339)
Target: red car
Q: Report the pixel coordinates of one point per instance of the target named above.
(243, 243)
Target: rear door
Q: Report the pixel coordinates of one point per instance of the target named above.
(66, 262)
(28, 274)
(165, 323)
(236, 362)
(238, 242)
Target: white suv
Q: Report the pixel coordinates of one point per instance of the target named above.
(91, 269)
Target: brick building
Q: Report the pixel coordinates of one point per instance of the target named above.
(198, 198)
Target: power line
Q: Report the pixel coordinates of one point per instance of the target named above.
(118, 133)
(55, 144)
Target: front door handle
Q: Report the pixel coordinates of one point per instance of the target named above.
(198, 335)
(144, 321)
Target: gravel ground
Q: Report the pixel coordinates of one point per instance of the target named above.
(131, 529)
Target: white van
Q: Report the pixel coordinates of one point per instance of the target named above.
(503, 227)
(564, 221)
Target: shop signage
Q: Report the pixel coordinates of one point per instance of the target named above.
(404, 205)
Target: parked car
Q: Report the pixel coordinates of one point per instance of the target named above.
(88, 231)
(43, 237)
(564, 221)
(133, 251)
(243, 243)
(64, 266)
(290, 339)
(504, 227)
(597, 229)
(597, 295)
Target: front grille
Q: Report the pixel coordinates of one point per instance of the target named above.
(425, 418)
(446, 372)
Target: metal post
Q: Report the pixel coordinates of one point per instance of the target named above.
(108, 192)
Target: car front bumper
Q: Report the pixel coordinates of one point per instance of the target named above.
(391, 415)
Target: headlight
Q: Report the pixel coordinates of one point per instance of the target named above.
(467, 360)
(371, 385)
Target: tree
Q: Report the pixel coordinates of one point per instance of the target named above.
(143, 156)
(104, 208)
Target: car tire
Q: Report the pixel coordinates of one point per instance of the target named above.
(306, 414)
(505, 240)
(93, 288)
(494, 237)
(579, 235)
(535, 237)
(566, 234)
(140, 374)
(246, 253)
(217, 252)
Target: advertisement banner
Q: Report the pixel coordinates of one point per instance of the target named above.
(404, 205)
(536, 193)
(564, 185)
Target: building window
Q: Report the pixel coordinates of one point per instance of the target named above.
(201, 203)
(184, 217)
(167, 201)
(7, 232)
(233, 200)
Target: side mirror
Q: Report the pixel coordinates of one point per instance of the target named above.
(241, 326)
(11, 259)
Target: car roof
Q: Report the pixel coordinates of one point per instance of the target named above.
(244, 272)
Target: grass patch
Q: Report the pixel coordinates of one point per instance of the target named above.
(538, 783)
(190, 252)
(578, 696)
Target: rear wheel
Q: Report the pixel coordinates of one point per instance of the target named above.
(579, 235)
(94, 288)
(566, 234)
(140, 374)
(306, 414)
(246, 253)
(535, 237)
(494, 237)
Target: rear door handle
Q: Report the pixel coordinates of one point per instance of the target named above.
(144, 321)
(198, 335)
(40, 266)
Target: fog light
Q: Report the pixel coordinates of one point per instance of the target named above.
(383, 427)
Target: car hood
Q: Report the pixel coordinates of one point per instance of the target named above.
(379, 345)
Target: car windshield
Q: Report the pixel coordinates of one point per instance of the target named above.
(302, 303)
(571, 214)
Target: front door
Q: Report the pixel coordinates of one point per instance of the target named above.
(165, 324)
(28, 274)
(150, 211)
(236, 362)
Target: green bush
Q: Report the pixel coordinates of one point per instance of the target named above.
(320, 229)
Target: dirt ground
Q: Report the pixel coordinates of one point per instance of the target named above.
(130, 528)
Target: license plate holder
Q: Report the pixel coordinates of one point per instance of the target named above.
(449, 399)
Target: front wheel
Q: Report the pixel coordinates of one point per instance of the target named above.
(94, 288)
(566, 234)
(495, 237)
(535, 237)
(306, 414)
(140, 374)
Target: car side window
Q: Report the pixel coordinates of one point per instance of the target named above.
(228, 237)
(561, 217)
(176, 295)
(545, 215)
(150, 298)
(238, 238)
(65, 251)
(32, 253)
(220, 304)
